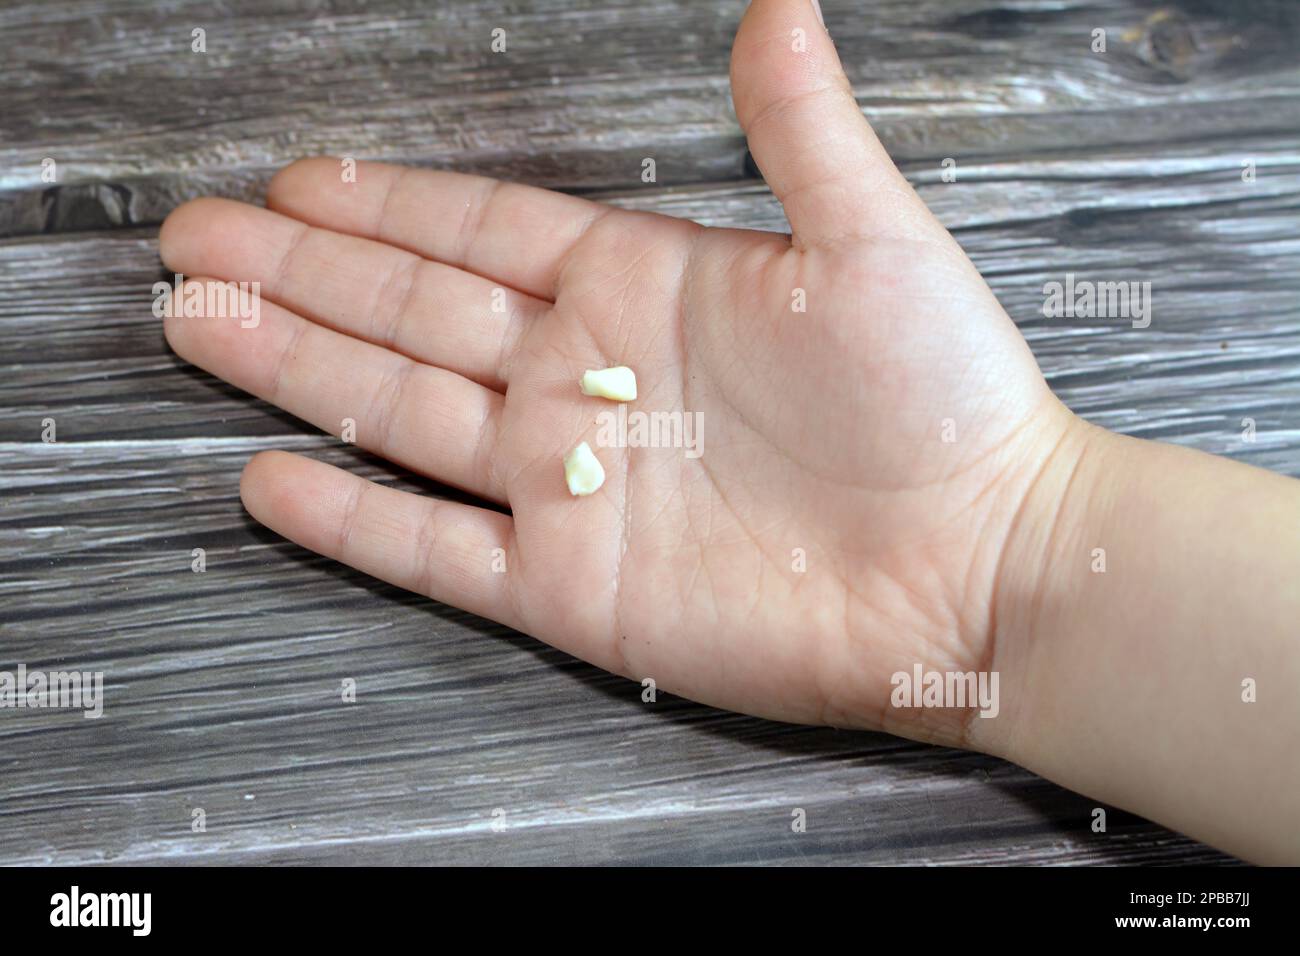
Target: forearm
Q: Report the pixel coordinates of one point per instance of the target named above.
(1131, 680)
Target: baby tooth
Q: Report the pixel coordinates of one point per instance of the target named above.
(618, 383)
(582, 471)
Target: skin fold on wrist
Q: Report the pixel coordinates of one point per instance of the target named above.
(1058, 496)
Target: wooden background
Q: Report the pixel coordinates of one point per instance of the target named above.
(223, 688)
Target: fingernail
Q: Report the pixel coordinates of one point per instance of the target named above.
(817, 9)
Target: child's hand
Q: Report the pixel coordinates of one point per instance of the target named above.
(869, 417)
(885, 479)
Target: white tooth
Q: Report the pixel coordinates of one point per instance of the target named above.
(618, 383)
(582, 471)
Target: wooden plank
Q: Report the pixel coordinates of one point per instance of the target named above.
(223, 693)
(584, 91)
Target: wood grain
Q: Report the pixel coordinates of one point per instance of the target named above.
(224, 688)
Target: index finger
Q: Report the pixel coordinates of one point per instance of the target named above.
(517, 235)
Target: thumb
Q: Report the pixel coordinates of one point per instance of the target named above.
(815, 149)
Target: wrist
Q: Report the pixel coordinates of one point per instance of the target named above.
(1145, 590)
(1046, 547)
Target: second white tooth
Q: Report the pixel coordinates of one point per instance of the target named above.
(582, 471)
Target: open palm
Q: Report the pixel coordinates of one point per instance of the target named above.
(871, 419)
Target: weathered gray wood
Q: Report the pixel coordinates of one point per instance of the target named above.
(224, 687)
(223, 693)
(136, 121)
